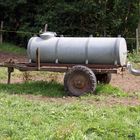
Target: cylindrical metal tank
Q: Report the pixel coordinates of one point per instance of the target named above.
(78, 50)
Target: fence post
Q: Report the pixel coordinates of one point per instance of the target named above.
(137, 40)
(1, 28)
(139, 30)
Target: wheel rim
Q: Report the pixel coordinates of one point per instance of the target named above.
(79, 82)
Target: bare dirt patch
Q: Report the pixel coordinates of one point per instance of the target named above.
(106, 101)
(127, 83)
(5, 57)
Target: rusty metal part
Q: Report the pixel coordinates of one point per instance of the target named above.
(38, 58)
(97, 69)
(60, 67)
(71, 65)
(79, 81)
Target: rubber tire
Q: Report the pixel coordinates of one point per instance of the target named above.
(82, 71)
(104, 78)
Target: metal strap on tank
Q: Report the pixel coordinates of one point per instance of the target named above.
(115, 52)
(56, 51)
(86, 50)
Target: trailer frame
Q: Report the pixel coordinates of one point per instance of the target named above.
(97, 69)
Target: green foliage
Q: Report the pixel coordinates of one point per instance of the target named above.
(134, 57)
(23, 119)
(69, 17)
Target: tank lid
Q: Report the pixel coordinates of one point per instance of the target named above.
(47, 35)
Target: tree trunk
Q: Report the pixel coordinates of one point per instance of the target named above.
(1, 28)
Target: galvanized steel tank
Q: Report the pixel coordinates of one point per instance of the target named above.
(78, 50)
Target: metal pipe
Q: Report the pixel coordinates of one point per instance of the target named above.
(132, 70)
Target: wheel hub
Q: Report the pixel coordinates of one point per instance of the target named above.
(79, 82)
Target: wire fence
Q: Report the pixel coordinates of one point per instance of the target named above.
(18, 32)
(25, 32)
(131, 41)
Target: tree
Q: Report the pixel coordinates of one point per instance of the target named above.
(70, 17)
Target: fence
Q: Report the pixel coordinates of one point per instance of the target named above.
(132, 43)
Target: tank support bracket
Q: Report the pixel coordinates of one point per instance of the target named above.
(38, 58)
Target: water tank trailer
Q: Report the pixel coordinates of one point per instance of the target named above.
(86, 61)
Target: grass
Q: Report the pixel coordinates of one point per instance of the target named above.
(30, 120)
(10, 48)
(110, 90)
(63, 118)
(134, 57)
(54, 89)
(51, 89)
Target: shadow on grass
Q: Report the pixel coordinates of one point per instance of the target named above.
(54, 89)
(51, 89)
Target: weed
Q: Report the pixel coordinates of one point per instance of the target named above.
(26, 76)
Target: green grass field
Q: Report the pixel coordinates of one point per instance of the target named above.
(41, 110)
(37, 120)
(7, 47)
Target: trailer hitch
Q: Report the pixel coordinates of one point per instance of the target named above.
(132, 70)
